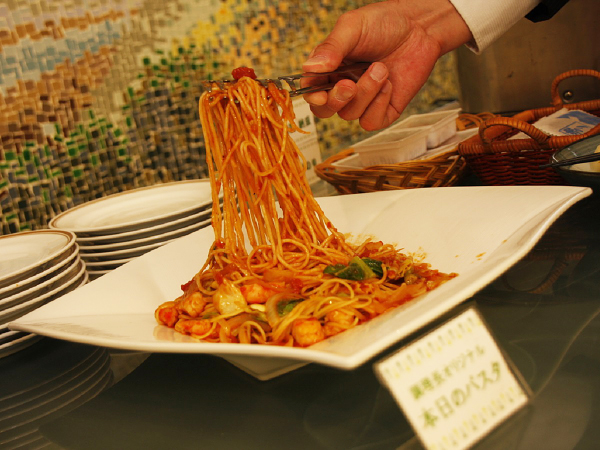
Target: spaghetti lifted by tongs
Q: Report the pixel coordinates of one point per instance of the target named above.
(278, 271)
(313, 82)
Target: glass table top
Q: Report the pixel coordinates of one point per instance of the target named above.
(544, 313)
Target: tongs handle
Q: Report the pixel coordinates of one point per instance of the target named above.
(359, 68)
(575, 160)
(354, 67)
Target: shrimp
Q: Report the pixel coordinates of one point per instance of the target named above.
(198, 328)
(167, 314)
(337, 321)
(256, 293)
(192, 305)
(307, 331)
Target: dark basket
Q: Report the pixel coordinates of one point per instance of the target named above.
(496, 160)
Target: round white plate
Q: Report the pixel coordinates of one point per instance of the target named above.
(21, 285)
(25, 254)
(55, 281)
(65, 386)
(11, 313)
(10, 336)
(121, 254)
(94, 276)
(18, 344)
(136, 208)
(97, 273)
(107, 265)
(13, 339)
(32, 413)
(201, 217)
(53, 363)
(94, 249)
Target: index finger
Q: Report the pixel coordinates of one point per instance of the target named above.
(317, 98)
(330, 53)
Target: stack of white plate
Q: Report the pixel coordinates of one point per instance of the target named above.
(36, 267)
(46, 381)
(113, 230)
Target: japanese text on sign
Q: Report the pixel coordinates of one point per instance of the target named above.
(453, 384)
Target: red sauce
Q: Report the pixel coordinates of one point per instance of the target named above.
(296, 285)
(240, 72)
(184, 287)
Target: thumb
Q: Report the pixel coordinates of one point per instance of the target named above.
(330, 53)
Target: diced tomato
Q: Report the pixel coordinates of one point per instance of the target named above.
(225, 272)
(240, 72)
(296, 285)
(185, 286)
(218, 277)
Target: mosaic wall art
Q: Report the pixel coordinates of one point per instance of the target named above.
(101, 96)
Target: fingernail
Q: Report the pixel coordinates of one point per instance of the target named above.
(343, 94)
(319, 59)
(387, 87)
(378, 72)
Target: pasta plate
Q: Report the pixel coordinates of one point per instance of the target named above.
(478, 232)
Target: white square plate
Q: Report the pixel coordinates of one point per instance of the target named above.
(478, 232)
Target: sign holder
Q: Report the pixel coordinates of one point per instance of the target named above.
(454, 384)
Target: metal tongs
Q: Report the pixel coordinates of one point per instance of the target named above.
(350, 71)
(575, 160)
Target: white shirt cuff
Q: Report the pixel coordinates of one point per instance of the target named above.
(490, 19)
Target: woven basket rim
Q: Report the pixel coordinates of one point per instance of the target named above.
(494, 133)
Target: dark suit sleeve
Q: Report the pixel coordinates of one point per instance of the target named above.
(545, 10)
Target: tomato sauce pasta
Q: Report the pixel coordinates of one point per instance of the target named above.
(278, 271)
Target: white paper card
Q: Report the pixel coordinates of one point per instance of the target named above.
(564, 122)
(308, 144)
(453, 384)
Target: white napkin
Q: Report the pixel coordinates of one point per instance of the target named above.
(564, 123)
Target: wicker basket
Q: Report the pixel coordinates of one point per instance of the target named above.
(499, 161)
(443, 169)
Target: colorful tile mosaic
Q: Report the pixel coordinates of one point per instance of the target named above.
(101, 96)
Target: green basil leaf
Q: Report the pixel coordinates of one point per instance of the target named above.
(332, 270)
(285, 306)
(358, 269)
(375, 265)
(352, 272)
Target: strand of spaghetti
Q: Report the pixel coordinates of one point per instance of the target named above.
(302, 310)
(283, 97)
(233, 226)
(216, 152)
(260, 159)
(304, 251)
(207, 131)
(271, 212)
(250, 178)
(258, 201)
(299, 214)
(284, 173)
(262, 214)
(315, 221)
(332, 253)
(256, 264)
(246, 328)
(329, 304)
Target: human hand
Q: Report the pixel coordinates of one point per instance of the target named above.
(403, 39)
